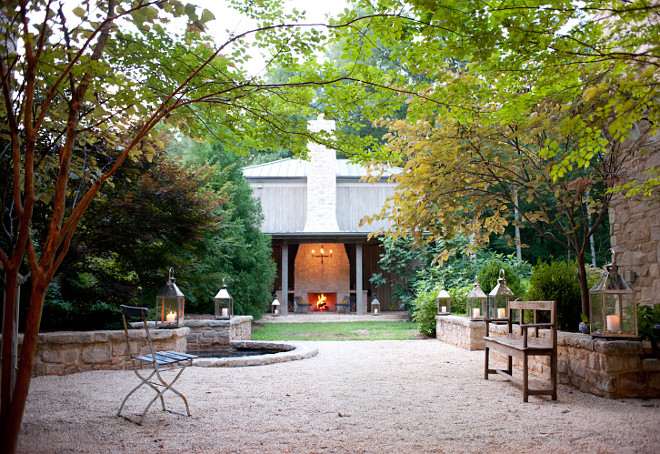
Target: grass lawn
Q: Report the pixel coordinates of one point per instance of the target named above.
(337, 331)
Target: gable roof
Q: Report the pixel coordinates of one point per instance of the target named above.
(297, 168)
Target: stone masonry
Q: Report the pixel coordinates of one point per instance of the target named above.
(63, 353)
(461, 332)
(210, 335)
(602, 367)
(635, 225)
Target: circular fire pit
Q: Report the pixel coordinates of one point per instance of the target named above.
(272, 352)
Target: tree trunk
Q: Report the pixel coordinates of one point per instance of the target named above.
(584, 287)
(11, 420)
(11, 281)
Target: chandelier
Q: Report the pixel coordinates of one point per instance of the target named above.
(322, 254)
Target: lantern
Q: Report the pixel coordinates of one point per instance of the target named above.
(375, 306)
(443, 300)
(476, 302)
(224, 304)
(170, 304)
(612, 311)
(276, 307)
(498, 299)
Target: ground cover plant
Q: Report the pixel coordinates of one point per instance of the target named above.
(340, 331)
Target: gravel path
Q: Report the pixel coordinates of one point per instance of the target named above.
(420, 396)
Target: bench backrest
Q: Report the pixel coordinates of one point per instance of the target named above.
(516, 315)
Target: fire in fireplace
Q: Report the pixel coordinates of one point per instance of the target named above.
(323, 301)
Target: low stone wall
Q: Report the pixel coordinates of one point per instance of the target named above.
(460, 331)
(606, 368)
(207, 335)
(63, 353)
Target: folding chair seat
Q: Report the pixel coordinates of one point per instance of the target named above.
(154, 364)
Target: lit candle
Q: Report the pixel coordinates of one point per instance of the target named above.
(225, 311)
(501, 312)
(476, 312)
(613, 323)
(444, 308)
(170, 318)
(276, 312)
(375, 310)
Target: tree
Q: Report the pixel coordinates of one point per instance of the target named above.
(237, 251)
(465, 178)
(69, 83)
(524, 54)
(151, 216)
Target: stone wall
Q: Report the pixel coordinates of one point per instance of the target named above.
(207, 335)
(602, 367)
(460, 331)
(63, 353)
(635, 225)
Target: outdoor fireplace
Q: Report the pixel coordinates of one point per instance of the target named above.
(322, 301)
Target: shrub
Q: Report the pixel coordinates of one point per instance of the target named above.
(558, 281)
(459, 299)
(515, 274)
(424, 311)
(647, 318)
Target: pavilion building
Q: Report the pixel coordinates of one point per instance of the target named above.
(312, 211)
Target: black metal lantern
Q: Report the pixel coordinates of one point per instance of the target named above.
(443, 301)
(498, 299)
(224, 304)
(476, 302)
(170, 304)
(612, 310)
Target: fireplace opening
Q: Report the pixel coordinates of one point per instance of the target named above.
(322, 301)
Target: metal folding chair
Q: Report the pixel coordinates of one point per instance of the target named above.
(155, 360)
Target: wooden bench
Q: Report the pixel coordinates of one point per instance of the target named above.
(521, 343)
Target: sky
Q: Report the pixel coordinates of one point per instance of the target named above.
(228, 19)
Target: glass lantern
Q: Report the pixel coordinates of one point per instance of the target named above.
(498, 299)
(375, 306)
(476, 302)
(276, 307)
(443, 300)
(612, 310)
(224, 304)
(170, 304)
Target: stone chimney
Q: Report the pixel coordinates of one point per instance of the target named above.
(321, 182)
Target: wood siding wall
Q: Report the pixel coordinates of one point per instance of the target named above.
(357, 200)
(284, 204)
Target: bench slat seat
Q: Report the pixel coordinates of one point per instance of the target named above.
(514, 347)
(524, 342)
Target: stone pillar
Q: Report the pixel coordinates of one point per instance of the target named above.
(284, 302)
(360, 302)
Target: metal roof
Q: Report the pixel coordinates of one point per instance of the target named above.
(297, 168)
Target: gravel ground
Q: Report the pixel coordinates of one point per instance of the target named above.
(420, 396)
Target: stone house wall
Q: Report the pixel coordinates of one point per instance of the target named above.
(635, 225)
